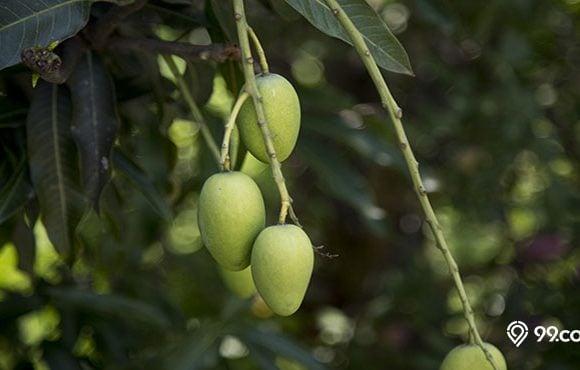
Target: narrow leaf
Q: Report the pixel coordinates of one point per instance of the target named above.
(280, 345)
(95, 123)
(26, 24)
(15, 193)
(25, 243)
(110, 306)
(143, 183)
(383, 45)
(52, 162)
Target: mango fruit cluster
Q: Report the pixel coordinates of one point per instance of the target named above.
(277, 259)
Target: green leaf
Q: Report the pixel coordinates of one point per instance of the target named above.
(110, 306)
(222, 12)
(363, 142)
(142, 182)
(25, 24)
(189, 354)
(16, 192)
(383, 45)
(25, 243)
(95, 123)
(58, 357)
(338, 177)
(280, 345)
(52, 161)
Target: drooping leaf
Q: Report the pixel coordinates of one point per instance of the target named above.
(383, 45)
(191, 351)
(339, 178)
(264, 358)
(280, 345)
(143, 183)
(222, 13)
(53, 166)
(58, 357)
(25, 243)
(16, 192)
(109, 305)
(26, 24)
(95, 123)
(361, 141)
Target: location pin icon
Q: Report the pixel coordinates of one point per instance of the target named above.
(517, 331)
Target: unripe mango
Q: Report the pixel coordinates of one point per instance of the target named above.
(471, 357)
(282, 263)
(239, 282)
(231, 215)
(282, 109)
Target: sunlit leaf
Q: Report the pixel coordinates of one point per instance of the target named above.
(382, 44)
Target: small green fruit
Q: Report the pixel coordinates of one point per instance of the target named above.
(239, 282)
(471, 357)
(282, 263)
(231, 214)
(282, 109)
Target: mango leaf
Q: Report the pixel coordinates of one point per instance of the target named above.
(190, 352)
(52, 161)
(25, 24)
(109, 306)
(16, 192)
(95, 123)
(363, 142)
(279, 345)
(339, 178)
(57, 356)
(25, 243)
(139, 179)
(383, 45)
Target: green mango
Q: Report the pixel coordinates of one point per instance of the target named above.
(471, 357)
(282, 263)
(282, 109)
(231, 215)
(239, 282)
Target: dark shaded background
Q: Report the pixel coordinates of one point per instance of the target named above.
(493, 115)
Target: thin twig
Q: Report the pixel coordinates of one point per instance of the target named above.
(224, 157)
(390, 105)
(252, 89)
(195, 111)
(217, 52)
(259, 50)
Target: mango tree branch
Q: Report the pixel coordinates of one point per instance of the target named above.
(224, 157)
(217, 52)
(195, 111)
(390, 105)
(252, 89)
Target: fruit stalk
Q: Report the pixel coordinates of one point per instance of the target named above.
(195, 111)
(252, 89)
(259, 50)
(224, 156)
(395, 113)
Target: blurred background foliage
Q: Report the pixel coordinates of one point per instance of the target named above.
(493, 114)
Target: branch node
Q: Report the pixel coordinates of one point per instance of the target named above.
(399, 113)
